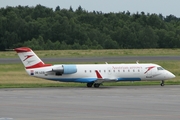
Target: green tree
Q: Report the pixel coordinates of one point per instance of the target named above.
(148, 38)
(57, 8)
(44, 28)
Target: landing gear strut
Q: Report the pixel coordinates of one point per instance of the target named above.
(96, 85)
(162, 83)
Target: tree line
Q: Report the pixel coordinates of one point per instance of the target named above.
(43, 28)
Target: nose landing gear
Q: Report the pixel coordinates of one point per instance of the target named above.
(162, 83)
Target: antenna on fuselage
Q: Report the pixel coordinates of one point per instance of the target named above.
(137, 62)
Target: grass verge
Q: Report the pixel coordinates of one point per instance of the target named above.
(97, 53)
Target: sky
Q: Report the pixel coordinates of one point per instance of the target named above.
(164, 7)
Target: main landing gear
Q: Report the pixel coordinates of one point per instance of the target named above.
(90, 84)
(96, 85)
(162, 83)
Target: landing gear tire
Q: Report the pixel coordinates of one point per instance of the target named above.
(162, 83)
(96, 85)
(89, 85)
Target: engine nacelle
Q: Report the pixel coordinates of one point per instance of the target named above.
(65, 69)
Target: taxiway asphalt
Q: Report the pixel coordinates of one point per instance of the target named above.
(119, 59)
(81, 103)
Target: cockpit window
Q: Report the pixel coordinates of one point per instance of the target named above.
(160, 68)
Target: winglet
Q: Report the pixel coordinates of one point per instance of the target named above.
(98, 74)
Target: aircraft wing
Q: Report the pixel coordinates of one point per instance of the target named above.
(100, 79)
(105, 80)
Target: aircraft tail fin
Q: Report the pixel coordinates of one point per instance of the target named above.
(29, 58)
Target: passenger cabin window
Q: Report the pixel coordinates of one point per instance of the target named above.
(160, 68)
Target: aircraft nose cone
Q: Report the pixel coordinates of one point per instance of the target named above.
(170, 75)
(173, 76)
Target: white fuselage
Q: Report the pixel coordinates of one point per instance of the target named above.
(92, 74)
(110, 72)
